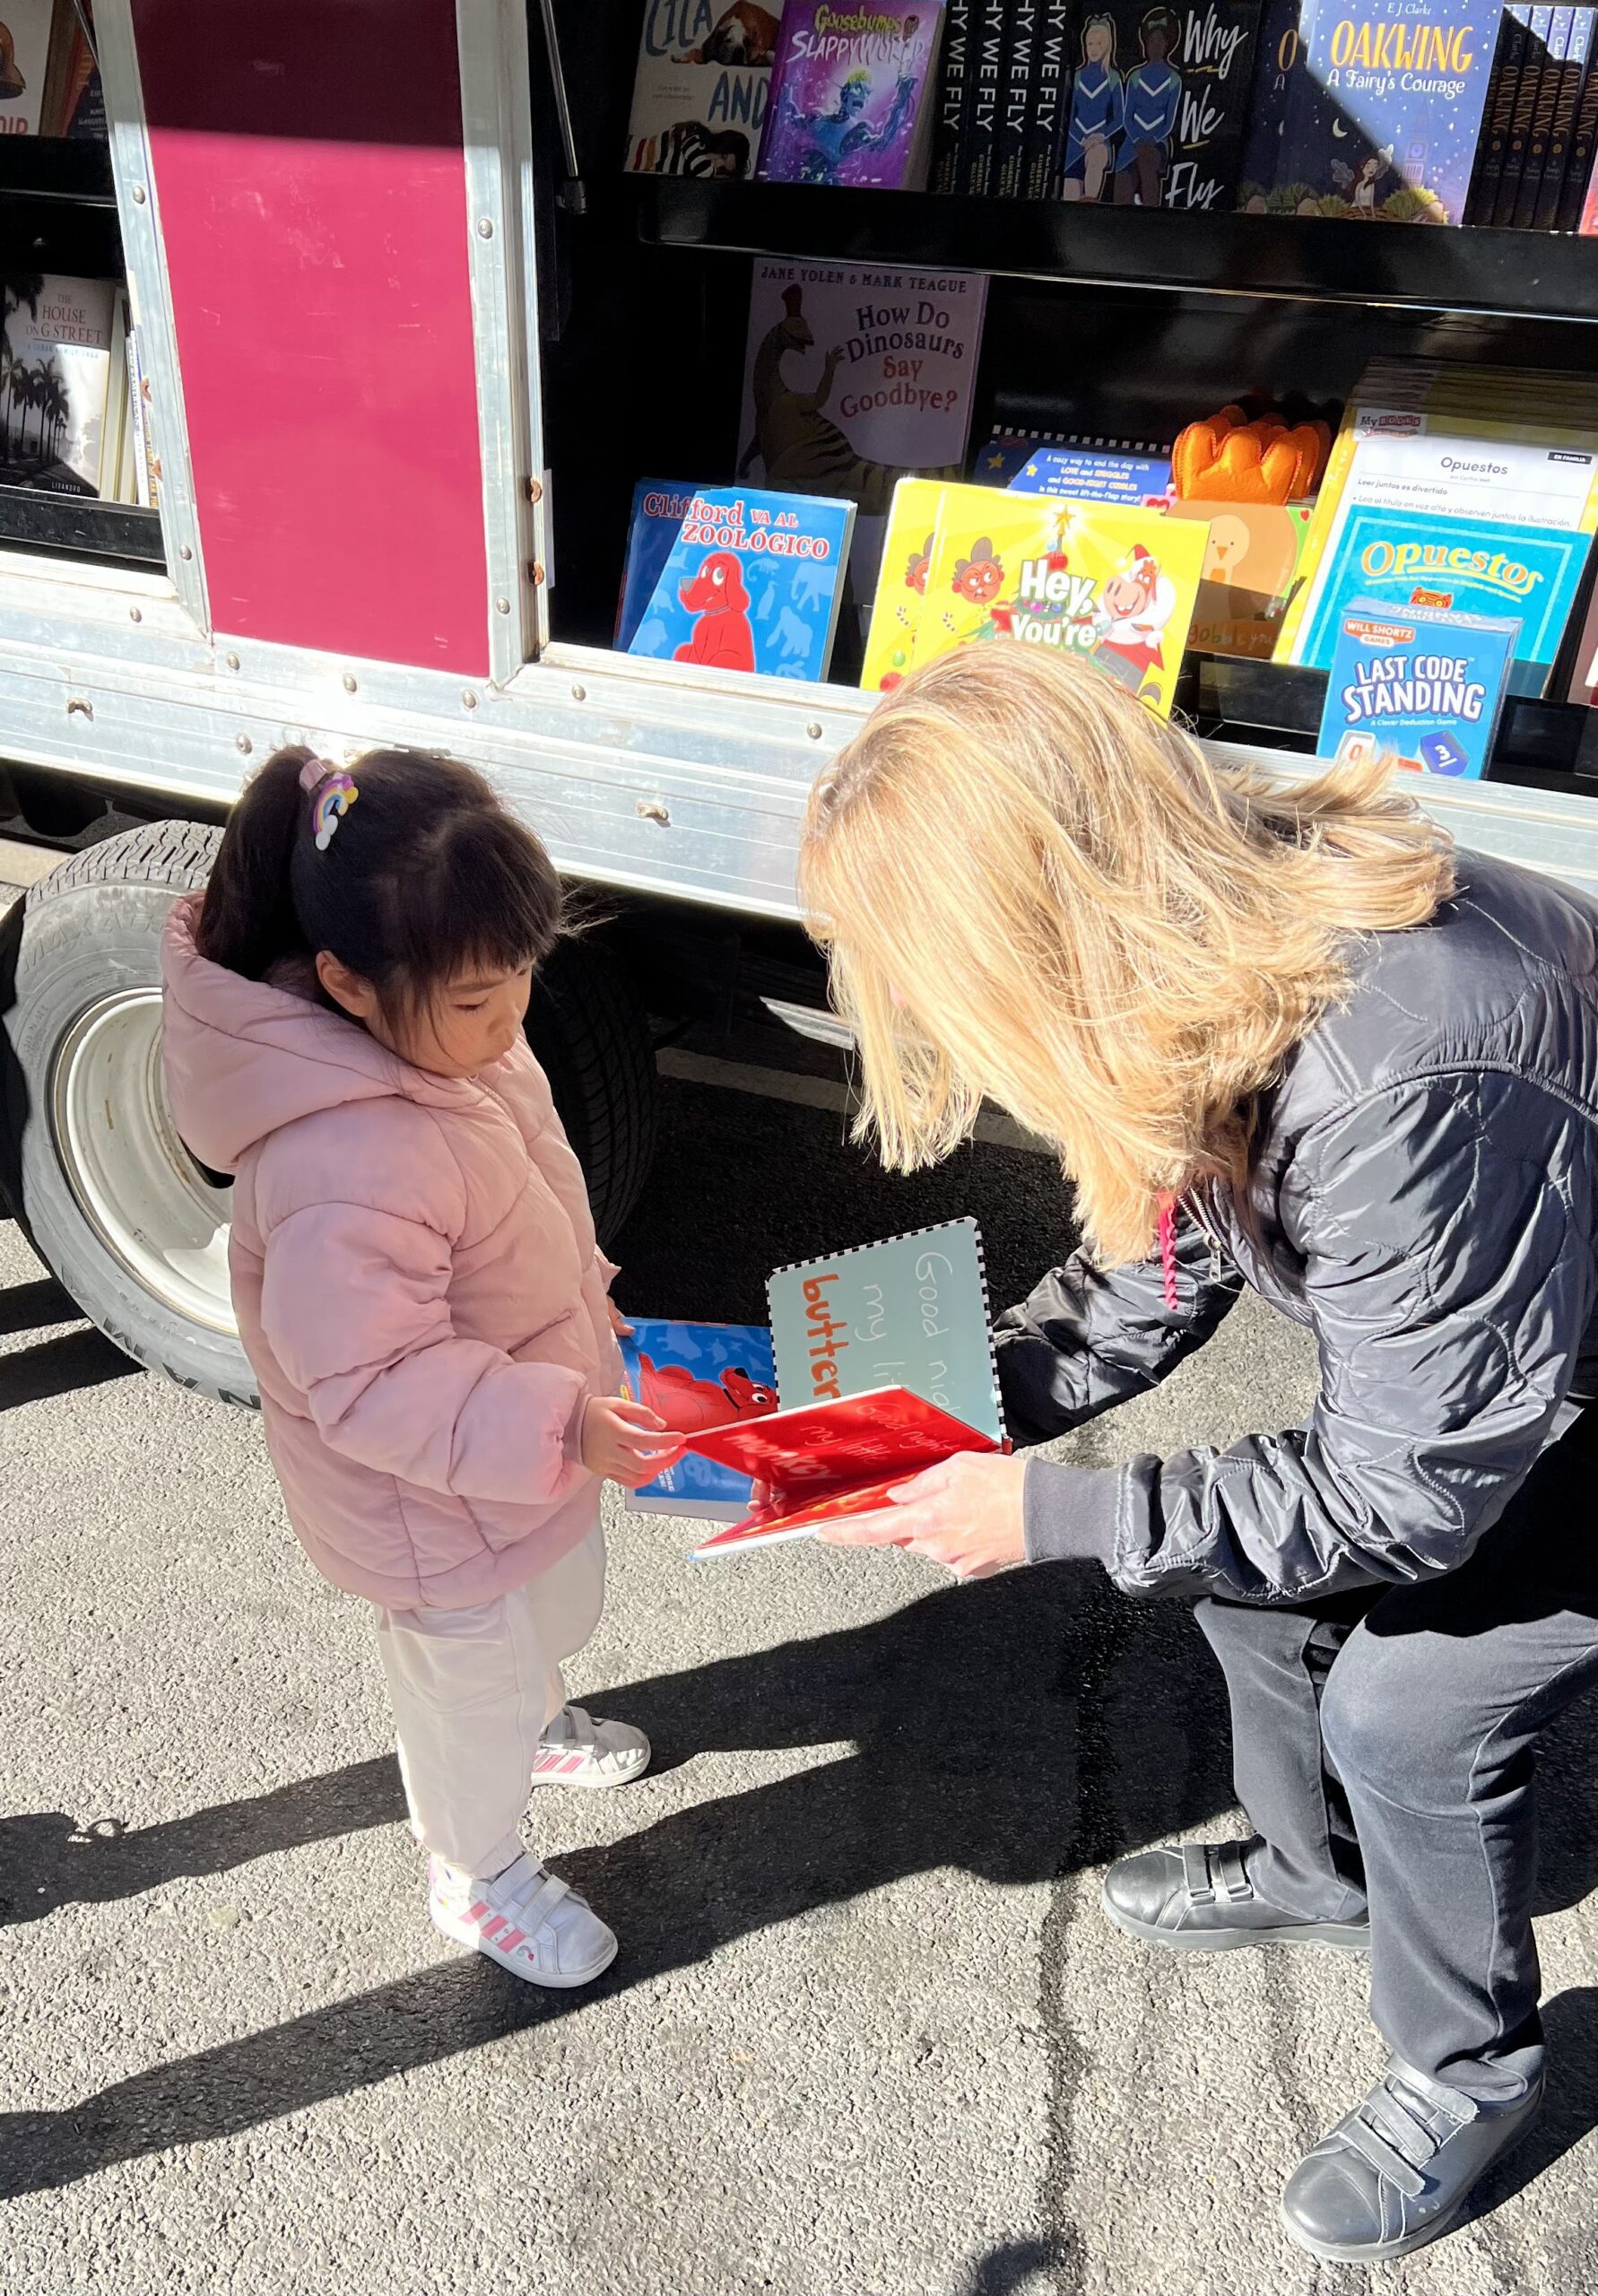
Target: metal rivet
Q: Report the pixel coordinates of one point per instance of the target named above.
(134, 614)
(348, 682)
(653, 809)
(535, 489)
(184, 550)
(231, 660)
(579, 693)
(243, 745)
(78, 708)
(501, 605)
(138, 193)
(485, 230)
(468, 698)
(813, 730)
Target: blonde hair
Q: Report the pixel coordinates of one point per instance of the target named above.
(1034, 891)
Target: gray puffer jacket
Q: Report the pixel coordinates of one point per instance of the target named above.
(1424, 1197)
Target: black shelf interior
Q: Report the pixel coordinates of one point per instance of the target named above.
(58, 167)
(1420, 268)
(57, 208)
(80, 525)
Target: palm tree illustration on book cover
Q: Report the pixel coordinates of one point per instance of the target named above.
(58, 363)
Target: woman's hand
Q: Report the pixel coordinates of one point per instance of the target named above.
(625, 1443)
(966, 1513)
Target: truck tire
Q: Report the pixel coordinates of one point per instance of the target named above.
(91, 1163)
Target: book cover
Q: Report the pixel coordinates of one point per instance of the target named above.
(1115, 586)
(1015, 109)
(827, 1461)
(985, 89)
(753, 581)
(1088, 475)
(659, 507)
(703, 83)
(910, 1311)
(1426, 685)
(851, 93)
(1383, 107)
(1398, 560)
(1549, 85)
(60, 344)
(1527, 87)
(901, 583)
(1175, 131)
(1278, 58)
(853, 379)
(696, 1377)
(951, 95)
(1584, 146)
(1572, 74)
(1095, 111)
(1250, 571)
(1582, 684)
(1498, 114)
(1051, 80)
(25, 66)
(1006, 451)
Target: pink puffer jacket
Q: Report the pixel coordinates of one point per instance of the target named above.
(416, 1281)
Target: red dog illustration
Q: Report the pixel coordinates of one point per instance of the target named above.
(688, 1405)
(722, 638)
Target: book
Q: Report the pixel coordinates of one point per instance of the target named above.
(695, 1377)
(1250, 570)
(1582, 685)
(1426, 685)
(146, 469)
(1402, 559)
(901, 583)
(61, 343)
(1094, 112)
(1006, 451)
(854, 378)
(659, 507)
(853, 93)
(702, 87)
(1091, 474)
(1550, 81)
(753, 581)
(25, 33)
(1278, 58)
(1383, 109)
(1527, 87)
(74, 103)
(1051, 82)
(824, 1462)
(1578, 48)
(910, 1311)
(1584, 147)
(1112, 585)
(951, 96)
(1498, 114)
(984, 88)
(1015, 107)
(1184, 73)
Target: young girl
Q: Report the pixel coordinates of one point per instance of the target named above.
(418, 1287)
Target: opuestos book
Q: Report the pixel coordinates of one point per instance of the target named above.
(1424, 685)
(703, 83)
(753, 581)
(853, 93)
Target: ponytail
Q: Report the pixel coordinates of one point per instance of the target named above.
(249, 922)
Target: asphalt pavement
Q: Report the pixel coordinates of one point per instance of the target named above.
(867, 2031)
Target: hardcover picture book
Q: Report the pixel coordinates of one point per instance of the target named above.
(1427, 686)
(1115, 586)
(1251, 570)
(703, 84)
(750, 582)
(697, 1377)
(1088, 475)
(854, 378)
(901, 582)
(853, 93)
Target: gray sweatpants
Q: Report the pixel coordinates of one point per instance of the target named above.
(1384, 1747)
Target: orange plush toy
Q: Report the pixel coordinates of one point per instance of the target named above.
(1231, 459)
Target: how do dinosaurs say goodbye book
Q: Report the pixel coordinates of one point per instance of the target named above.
(882, 1364)
(742, 580)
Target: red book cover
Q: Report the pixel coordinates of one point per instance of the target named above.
(829, 1459)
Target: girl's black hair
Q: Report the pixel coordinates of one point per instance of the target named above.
(426, 879)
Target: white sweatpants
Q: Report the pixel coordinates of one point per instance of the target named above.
(472, 1691)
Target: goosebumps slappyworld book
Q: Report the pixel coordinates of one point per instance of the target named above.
(852, 93)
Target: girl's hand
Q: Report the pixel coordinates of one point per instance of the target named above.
(619, 1323)
(623, 1441)
(966, 1514)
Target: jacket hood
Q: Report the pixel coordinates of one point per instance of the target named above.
(244, 1057)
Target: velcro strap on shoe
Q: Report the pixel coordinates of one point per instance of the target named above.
(534, 1910)
(1229, 1869)
(1384, 2158)
(1195, 1874)
(1403, 2131)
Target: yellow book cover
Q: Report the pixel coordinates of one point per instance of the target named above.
(1115, 586)
(901, 581)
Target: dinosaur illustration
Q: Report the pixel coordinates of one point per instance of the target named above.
(800, 451)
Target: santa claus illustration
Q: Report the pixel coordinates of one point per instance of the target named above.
(1138, 600)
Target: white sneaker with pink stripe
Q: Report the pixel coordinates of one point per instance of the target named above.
(578, 1750)
(534, 1926)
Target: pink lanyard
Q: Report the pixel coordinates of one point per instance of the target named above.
(1167, 1250)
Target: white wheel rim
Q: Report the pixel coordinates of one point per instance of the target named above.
(139, 1189)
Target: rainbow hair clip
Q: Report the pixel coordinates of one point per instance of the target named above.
(332, 792)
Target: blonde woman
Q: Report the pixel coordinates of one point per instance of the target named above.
(1287, 1039)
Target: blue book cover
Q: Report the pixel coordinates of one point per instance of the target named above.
(695, 1375)
(1384, 109)
(908, 1312)
(1425, 684)
(751, 580)
(1144, 482)
(1404, 559)
(658, 511)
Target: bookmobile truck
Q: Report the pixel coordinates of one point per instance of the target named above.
(410, 336)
